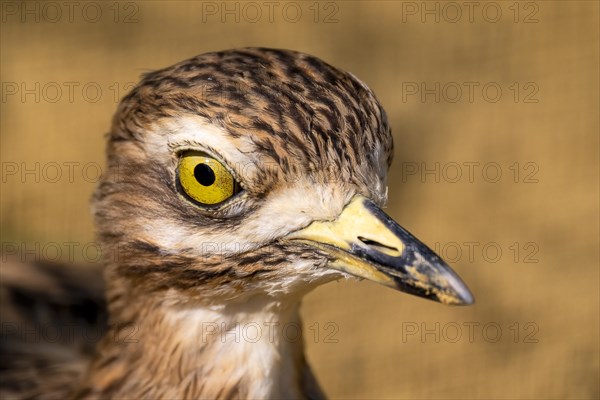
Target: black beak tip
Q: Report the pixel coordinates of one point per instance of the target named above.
(465, 297)
(454, 291)
(457, 292)
(445, 287)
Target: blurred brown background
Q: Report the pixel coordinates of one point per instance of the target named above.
(473, 90)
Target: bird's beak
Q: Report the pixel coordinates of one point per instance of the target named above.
(365, 242)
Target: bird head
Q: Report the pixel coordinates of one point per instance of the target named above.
(255, 172)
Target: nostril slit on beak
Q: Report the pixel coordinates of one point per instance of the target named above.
(390, 250)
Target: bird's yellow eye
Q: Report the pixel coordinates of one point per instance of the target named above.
(205, 179)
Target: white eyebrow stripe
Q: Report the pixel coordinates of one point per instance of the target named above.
(192, 132)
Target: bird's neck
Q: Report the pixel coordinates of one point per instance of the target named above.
(249, 349)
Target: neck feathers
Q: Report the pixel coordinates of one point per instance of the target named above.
(246, 349)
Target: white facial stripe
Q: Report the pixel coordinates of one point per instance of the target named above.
(284, 211)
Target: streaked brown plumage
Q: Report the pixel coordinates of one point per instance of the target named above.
(306, 142)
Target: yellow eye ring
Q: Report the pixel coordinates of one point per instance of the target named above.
(205, 179)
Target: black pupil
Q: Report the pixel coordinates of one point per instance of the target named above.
(204, 174)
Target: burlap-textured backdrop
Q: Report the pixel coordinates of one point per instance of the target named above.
(494, 108)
